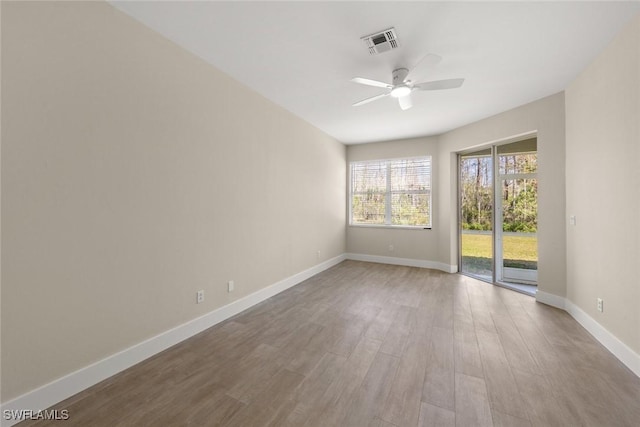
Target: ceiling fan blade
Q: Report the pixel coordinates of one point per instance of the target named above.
(439, 84)
(369, 82)
(367, 100)
(405, 102)
(429, 60)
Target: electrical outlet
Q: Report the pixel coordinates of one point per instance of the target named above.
(572, 220)
(230, 286)
(600, 305)
(391, 248)
(318, 255)
(199, 296)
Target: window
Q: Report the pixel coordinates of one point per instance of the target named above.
(391, 192)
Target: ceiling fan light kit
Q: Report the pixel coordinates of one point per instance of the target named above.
(400, 91)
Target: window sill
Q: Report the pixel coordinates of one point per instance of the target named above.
(391, 227)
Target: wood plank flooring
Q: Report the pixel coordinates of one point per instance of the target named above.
(366, 344)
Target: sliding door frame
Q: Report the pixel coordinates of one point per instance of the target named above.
(496, 238)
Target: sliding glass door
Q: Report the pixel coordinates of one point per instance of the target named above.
(498, 216)
(476, 214)
(517, 213)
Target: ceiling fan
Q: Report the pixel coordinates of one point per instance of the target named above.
(401, 87)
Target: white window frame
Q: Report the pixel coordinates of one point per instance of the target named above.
(388, 194)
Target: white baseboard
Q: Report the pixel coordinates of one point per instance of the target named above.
(619, 349)
(550, 299)
(409, 262)
(65, 387)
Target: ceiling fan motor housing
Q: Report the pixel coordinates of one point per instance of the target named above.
(399, 76)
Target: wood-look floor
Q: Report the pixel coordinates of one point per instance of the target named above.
(376, 345)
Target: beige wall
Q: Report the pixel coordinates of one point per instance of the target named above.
(134, 174)
(414, 244)
(546, 117)
(603, 187)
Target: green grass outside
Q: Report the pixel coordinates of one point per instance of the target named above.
(519, 251)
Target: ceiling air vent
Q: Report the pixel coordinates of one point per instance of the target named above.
(381, 41)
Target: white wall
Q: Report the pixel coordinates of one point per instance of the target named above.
(134, 174)
(603, 187)
(417, 245)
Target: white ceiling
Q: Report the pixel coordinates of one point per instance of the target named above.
(302, 55)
